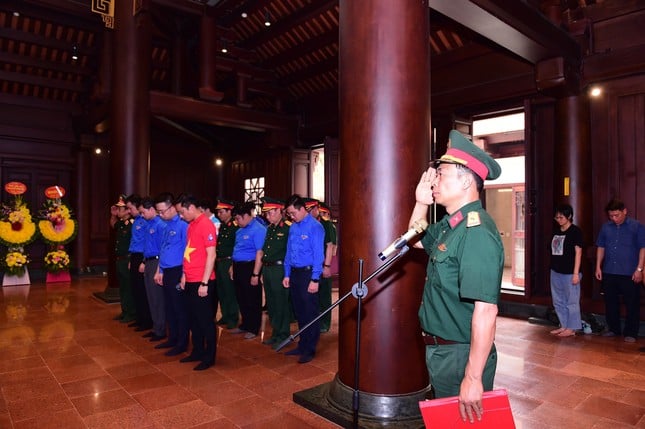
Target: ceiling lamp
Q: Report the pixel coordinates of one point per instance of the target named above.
(74, 53)
(267, 19)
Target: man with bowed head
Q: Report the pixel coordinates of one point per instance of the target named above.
(303, 264)
(464, 275)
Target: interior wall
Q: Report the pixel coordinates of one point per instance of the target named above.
(499, 204)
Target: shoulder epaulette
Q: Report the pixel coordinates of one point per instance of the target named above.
(473, 219)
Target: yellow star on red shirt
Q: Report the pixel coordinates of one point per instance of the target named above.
(188, 250)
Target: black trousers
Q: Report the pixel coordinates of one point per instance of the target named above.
(249, 297)
(176, 308)
(139, 291)
(202, 324)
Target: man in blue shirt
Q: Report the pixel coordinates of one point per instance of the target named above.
(171, 259)
(619, 265)
(151, 249)
(245, 271)
(144, 321)
(303, 265)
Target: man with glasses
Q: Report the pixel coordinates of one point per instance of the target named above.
(464, 275)
(303, 264)
(151, 249)
(168, 275)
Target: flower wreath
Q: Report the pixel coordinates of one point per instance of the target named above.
(16, 226)
(57, 226)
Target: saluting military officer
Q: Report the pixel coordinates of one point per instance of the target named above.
(123, 229)
(273, 251)
(464, 274)
(225, 244)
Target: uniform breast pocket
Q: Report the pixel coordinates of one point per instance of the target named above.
(445, 269)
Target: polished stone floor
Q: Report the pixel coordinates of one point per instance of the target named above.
(66, 364)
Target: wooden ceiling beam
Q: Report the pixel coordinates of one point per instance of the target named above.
(40, 103)
(189, 109)
(58, 12)
(22, 36)
(22, 60)
(289, 23)
(514, 25)
(42, 81)
(311, 45)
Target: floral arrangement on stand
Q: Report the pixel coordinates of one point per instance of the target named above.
(17, 229)
(56, 261)
(15, 262)
(57, 228)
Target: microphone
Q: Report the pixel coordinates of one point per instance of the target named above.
(417, 228)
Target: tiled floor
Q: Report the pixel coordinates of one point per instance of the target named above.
(65, 363)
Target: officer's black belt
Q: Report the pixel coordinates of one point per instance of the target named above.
(244, 262)
(433, 340)
(151, 258)
(119, 257)
(223, 258)
(307, 268)
(271, 263)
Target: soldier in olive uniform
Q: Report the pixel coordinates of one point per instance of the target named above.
(123, 229)
(225, 286)
(273, 251)
(464, 274)
(313, 206)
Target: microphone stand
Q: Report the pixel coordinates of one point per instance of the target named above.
(359, 291)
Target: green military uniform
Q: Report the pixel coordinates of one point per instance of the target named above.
(466, 265)
(225, 286)
(123, 230)
(324, 287)
(277, 296)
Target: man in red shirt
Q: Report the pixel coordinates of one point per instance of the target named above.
(198, 281)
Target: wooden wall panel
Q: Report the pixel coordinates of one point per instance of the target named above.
(273, 165)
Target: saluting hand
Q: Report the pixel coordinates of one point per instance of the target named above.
(423, 192)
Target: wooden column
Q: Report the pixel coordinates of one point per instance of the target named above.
(82, 209)
(384, 134)
(130, 131)
(208, 54)
(572, 162)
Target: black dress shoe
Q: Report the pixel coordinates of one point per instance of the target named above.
(148, 334)
(140, 328)
(156, 337)
(202, 366)
(294, 352)
(174, 352)
(165, 345)
(305, 358)
(189, 358)
(133, 324)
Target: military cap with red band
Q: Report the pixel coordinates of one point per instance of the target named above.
(311, 203)
(464, 152)
(271, 203)
(225, 204)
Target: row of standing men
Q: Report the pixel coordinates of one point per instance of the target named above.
(171, 281)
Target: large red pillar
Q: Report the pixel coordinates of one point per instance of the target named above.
(130, 114)
(384, 75)
(130, 129)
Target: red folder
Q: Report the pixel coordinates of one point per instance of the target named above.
(443, 413)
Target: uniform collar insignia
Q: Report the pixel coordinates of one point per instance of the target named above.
(455, 219)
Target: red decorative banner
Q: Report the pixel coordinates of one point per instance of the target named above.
(15, 188)
(54, 192)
